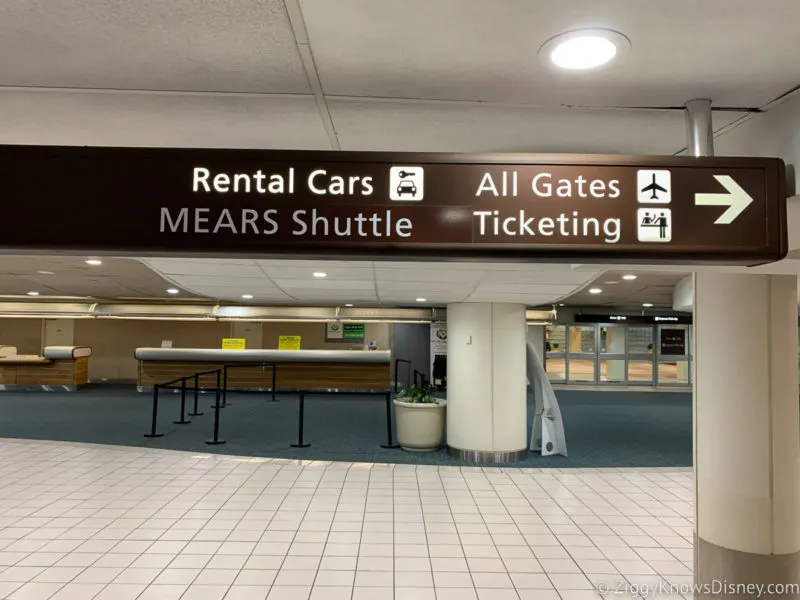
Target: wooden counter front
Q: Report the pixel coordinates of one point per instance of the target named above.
(39, 371)
(295, 370)
(289, 375)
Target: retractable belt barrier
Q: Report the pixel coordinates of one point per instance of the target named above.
(221, 390)
(397, 362)
(302, 410)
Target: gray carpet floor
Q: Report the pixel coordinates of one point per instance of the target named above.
(603, 428)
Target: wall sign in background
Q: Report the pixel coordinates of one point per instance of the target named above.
(635, 319)
(233, 343)
(289, 342)
(345, 332)
(141, 201)
(673, 342)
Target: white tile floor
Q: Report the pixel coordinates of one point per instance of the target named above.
(80, 521)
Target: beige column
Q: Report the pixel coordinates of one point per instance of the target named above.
(487, 384)
(746, 433)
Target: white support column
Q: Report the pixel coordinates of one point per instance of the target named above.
(487, 417)
(746, 434)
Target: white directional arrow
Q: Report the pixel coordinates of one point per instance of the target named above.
(736, 199)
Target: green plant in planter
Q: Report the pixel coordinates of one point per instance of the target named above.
(417, 395)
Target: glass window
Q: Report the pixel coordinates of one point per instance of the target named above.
(556, 368)
(555, 339)
(640, 371)
(612, 370)
(612, 339)
(581, 339)
(673, 372)
(581, 369)
(640, 339)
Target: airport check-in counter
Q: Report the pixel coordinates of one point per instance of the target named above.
(341, 370)
(60, 368)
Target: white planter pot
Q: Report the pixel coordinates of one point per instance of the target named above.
(420, 427)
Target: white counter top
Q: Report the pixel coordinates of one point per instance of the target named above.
(257, 356)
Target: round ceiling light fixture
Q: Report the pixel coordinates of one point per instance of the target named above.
(595, 291)
(95, 262)
(648, 305)
(173, 291)
(630, 277)
(584, 49)
(247, 296)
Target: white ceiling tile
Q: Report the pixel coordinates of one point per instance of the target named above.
(323, 286)
(284, 273)
(213, 269)
(507, 288)
(164, 120)
(451, 127)
(426, 275)
(230, 45)
(488, 51)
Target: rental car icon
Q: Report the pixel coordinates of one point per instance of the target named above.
(406, 183)
(407, 187)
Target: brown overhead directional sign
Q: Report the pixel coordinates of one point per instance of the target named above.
(145, 201)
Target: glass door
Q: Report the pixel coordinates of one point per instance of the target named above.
(555, 346)
(641, 354)
(581, 354)
(611, 354)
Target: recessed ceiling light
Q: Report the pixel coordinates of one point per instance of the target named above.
(584, 49)
(629, 277)
(320, 275)
(422, 299)
(561, 304)
(611, 282)
(94, 262)
(33, 293)
(648, 304)
(349, 305)
(45, 273)
(247, 296)
(595, 291)
(173, 291)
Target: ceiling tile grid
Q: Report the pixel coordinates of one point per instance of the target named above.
(401, 76)
(382, 283)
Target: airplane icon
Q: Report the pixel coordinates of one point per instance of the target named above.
(654, 187)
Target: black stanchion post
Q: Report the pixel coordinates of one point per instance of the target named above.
(183, 420)
(274, 382)
(389, 436)
(215, 440)
(300, 443)
(194, 412)
(153, 433)
(396, 377)
(224, 386)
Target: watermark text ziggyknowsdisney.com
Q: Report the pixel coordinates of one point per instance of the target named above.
(627, 589)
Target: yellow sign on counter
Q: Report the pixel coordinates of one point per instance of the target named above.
(289, 342)
(233, 343)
